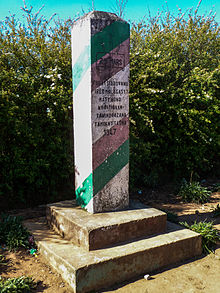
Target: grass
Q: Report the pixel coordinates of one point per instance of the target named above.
(194, 192)
(17, 285)
(210, 235)
(12, 233)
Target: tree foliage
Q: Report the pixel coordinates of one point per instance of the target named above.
(174, 96)
(35, 102)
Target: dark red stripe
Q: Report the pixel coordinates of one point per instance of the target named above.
(102, 72)
(107, 144)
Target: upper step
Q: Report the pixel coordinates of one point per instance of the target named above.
(96, 231)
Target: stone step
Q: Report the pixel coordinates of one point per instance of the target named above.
(95, 231)
(93, 270)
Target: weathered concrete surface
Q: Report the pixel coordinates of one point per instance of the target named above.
(95, 231)
(100, 66)
(86, 271)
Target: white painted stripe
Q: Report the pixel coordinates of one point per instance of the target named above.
(80, 38)
(122, 76)
(82, 129)
(90, 206)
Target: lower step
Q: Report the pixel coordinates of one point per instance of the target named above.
(86, 271)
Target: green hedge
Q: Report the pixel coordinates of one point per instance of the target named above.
(35, 116)
(174, 97)
(174, 104)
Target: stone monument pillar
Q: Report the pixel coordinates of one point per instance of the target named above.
(100, 58)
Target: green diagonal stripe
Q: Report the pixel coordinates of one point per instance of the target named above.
(102, 175)
(101, 44)
(81, 66)
(110, 167)
(84, 193)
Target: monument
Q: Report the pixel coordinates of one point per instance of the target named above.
(96, 249)
(100, 57)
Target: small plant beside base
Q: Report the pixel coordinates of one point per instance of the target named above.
(194, 192)
(17, 285)
(12, 233)
(210, 235)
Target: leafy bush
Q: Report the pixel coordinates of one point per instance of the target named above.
(17, 285)
(12, 233)
(194, 192)
(35, 103)
(174, 96)
(210, 236)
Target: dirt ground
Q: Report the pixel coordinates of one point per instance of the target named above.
(197, 275)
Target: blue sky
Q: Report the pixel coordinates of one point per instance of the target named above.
(135, 9)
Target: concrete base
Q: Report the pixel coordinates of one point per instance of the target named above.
(95, 231)
(92, 270)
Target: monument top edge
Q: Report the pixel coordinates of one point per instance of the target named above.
(100, 15)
